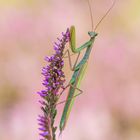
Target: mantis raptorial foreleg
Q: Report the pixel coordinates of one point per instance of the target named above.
(67, 56)
(73, 42)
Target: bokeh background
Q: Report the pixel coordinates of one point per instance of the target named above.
(109, 108)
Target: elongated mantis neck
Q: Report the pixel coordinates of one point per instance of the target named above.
(88, 51)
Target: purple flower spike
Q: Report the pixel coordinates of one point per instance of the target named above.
(53, 81)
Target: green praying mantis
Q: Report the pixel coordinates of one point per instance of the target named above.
(78, 69)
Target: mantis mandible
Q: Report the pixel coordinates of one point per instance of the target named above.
(79, 69)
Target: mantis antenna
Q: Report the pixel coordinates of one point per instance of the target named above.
(105, 14)
(91, 15)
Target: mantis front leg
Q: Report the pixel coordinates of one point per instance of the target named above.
(73, 42)
(74, 49)
(70, 61)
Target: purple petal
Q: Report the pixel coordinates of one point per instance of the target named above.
(41, 94)
(42, 129)
(56, 47)
(41, 121)
(56, 44)
(41, 124)
(44, 134)
(59, 39)
(42, 117)
(63, 34)
(47, 58)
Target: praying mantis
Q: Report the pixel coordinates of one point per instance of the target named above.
(78, 69)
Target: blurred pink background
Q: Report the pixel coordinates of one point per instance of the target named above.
(109, 108)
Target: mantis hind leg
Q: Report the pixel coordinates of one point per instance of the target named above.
(70, 85)
(67, 108)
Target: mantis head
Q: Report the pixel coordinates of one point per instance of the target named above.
(92, 34)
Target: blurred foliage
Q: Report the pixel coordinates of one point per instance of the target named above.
(20, 3)
(9, 97)
(125, 126)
